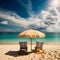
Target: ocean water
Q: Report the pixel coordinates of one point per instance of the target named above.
(13, 37)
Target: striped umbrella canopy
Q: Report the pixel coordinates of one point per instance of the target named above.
(31, 33)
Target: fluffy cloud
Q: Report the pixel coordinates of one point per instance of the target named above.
(10, 16)
(48, 20)
(4, 22)
(51, 19)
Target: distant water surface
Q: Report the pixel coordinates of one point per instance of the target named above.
(13, 37)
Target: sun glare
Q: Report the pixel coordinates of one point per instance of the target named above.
(54, 3)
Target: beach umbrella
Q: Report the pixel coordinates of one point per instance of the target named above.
(31, 33)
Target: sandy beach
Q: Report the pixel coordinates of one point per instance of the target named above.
(10, 52)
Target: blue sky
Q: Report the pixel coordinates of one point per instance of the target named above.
(17, 15)
(21, 7)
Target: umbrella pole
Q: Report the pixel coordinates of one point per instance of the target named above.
(31, 44)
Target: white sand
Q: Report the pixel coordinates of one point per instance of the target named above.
(10, 52)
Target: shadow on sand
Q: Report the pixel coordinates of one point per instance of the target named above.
(17, 53)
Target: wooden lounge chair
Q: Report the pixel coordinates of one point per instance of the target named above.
(23, 46)
(39, 47)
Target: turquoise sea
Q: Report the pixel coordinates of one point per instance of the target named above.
(10, 37)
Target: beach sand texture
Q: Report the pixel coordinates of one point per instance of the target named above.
(10, 52)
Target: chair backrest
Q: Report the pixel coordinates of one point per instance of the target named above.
(39, 44)
(23, 44)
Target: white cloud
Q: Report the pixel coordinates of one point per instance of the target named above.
(48, 19)
(52, 19)
(10, 16)
(4, 22)
(19, 21)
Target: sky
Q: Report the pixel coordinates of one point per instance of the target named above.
(18, 15)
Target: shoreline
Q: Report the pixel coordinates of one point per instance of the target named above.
(28, 43)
